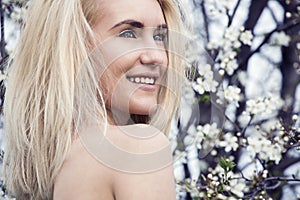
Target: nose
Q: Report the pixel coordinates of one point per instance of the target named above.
(152, 54)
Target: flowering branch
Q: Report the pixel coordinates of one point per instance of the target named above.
(283, 27)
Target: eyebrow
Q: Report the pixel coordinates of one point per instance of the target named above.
(136, 24)
(129, 22)
(162, 26)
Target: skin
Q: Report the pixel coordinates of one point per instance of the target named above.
(82, 176)
(131, 37)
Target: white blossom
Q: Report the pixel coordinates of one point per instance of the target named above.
(200, 86)
(230, 142)
(231, 34)
(246, 37)
(229, 55)
(205, 70)
(228, 47)
(203, 137)
(275, 153)
(212, 85)
(205, 84)
(265, 149)
(295, 117)
(229, 65)
(194, 138)
(280, 38)
(217, 7)
(273, 102)
(236, 44)
(209, 130)
(266, 105)
(255, 106)
(213, 44)
(238, 187)
(231, 94)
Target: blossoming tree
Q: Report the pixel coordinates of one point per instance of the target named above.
(241, 140)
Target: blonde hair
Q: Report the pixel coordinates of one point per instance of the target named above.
(52, 90)
(169, 96)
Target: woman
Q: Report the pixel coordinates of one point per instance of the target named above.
(86, 74)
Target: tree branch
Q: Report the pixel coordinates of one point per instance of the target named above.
(284, 27)
(231, 17)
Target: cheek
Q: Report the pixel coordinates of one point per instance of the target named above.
(105, 83)
(108, 79)
(112, 82)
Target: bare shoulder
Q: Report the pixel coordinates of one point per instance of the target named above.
(129, 162)
(138, 138)
(82, 177)
(146, 171)
(158, 184)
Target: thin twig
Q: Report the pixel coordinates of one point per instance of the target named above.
(292, 24)
(273, 15)
(231, 17)
(205, 18)
(247, 126)
(282, 179)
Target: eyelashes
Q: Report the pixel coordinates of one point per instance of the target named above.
(128, 33)
(159, 35)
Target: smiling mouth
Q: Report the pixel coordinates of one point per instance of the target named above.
(142, 80)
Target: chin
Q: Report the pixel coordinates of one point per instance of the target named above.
(143, 110)
(142, 107)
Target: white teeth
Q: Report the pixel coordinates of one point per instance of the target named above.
(137, 80)
(144, 80)
(147, 80)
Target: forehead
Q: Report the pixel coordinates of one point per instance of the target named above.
(146, 11)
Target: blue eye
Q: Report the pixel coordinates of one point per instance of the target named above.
(159, 37)
(127, 34)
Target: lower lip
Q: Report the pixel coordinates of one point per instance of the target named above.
(145, 87)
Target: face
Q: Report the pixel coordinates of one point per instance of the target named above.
(132, 36)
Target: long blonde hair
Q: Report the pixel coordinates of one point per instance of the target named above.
(50, 91)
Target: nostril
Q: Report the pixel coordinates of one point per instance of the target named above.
(155, 57)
